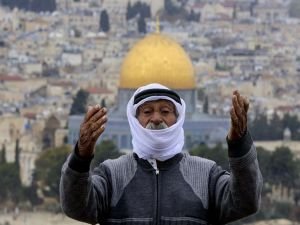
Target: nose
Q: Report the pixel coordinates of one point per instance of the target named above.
(156, 118)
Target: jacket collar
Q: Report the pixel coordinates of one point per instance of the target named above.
(162, 165)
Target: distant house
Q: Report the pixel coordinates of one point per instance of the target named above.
(98, 95)
(271, 12)
(71, 58)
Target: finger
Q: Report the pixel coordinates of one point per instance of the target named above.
(234, 119)
(101, 113)
(91, 111)
(84, 139)
(239, 114)
(98, 132)
(246, 104)
(236, 106)
(99, 123)
(243, 124)
(236, 126)
(240, 101)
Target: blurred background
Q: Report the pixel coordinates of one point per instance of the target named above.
(59, 56)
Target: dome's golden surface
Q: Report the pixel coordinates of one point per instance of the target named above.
(157, 59)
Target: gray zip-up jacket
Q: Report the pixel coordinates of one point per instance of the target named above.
(185, 190)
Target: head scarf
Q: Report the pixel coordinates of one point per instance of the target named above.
(156, 144)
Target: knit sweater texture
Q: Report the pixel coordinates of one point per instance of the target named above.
(185, 190)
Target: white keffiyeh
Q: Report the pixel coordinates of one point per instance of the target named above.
(156, 144)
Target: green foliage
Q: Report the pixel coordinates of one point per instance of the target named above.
(278, 167)
(201, 94)
(17, 154)
(264, 159)
(294, 9)
(103, 103)
(48, 169)
(170, 8)
(206, 105)
(262, 129)
(10, 183)
(79, 103)
(217, 154)
(31, 192)
(193, 16)
(138, 8)
(270, 211)
(105, 150)
(3, 155)
(293, 124)
(284, 167)
(104, 21)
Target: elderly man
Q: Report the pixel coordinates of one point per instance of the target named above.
(157, 183)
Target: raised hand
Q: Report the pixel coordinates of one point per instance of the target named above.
(238, 114)
(91, 128)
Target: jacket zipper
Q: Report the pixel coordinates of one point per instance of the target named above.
(157, 196)
(156, 171)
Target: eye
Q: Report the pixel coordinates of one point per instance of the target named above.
(165, 111)
(146, 111)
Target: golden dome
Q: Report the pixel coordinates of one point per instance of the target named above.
(157, 59)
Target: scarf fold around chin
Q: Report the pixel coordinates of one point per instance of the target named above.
(156, 144)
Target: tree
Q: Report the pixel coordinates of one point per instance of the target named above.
(276, 127)
(293, 124)
(105, 150)
(264, 159)
(145, 10)
(104, 21)
(217, 154)
(201, 94)
(3, 154)
(138, 8)
(31, 192)
(142, 25)
(103, 102)
(17, 153)
(10, 183)
(79, 104)
(193, 16)
(284, 168)
(170, 8)
(259, 128)
(48, 168)
(206, 105)
(129, 11)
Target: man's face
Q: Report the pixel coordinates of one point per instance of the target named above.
(158, 114)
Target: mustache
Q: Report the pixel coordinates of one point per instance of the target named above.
(159, 126)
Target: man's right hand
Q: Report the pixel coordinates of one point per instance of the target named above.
(91, 128)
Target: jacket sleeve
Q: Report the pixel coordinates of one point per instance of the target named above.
(84, 195)
(236, 194)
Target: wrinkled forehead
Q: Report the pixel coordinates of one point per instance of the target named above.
(158, 102)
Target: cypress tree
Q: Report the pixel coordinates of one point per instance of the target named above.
(17, 153)
(104, 21)
(79, 104)
(141, 25)
(205, 105)
(3, 154)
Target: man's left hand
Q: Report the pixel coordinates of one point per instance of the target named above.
(238, 114)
